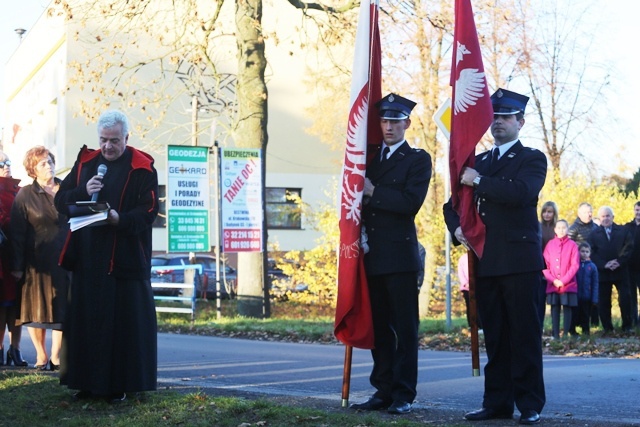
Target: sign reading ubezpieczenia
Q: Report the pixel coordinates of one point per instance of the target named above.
(241, 192)
(188, 198)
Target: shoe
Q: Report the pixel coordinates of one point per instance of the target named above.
(399, 407)
(52, 366)
(14, 355)
(82, 395)
(487, 414)
(373, 404)
(43, 367)
(116, 398)
(529, 417)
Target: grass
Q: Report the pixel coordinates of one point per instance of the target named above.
(37, 400)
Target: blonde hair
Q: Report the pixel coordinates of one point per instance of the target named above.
(553, 206)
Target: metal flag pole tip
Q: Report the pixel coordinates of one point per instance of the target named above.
(345, 403)
(476, 372)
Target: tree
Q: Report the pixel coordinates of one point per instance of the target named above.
(566, 84)
(184, 44)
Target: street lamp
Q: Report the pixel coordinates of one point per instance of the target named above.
(20, 32)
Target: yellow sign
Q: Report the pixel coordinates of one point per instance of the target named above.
(442, 118)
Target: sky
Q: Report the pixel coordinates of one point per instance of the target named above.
(16, 14)
(616, 45)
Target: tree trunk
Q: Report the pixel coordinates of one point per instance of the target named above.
(251, 132)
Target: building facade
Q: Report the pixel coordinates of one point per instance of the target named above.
(46, 104)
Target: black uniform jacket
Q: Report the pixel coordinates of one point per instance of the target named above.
(507, 199)
(603, 250)
(401, 183)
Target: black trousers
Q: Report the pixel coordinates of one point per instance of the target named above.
(634, 290)
(513, 337)
(394, 304)
(604, 303)
(584, 315)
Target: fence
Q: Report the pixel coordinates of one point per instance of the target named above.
(188, 294)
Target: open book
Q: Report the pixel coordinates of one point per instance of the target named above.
(87, 213)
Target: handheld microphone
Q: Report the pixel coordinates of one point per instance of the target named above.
(102, 170)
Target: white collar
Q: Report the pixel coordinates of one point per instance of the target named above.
(392, 148)
(505, 147)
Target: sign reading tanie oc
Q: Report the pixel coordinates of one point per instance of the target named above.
(241, 180)
(188, 198)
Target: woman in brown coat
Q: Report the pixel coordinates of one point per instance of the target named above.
(38, 234)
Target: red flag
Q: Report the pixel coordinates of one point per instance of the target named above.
(472, 116)
(353, 323)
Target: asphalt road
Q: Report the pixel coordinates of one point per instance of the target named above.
(593, 389)
(587, 388)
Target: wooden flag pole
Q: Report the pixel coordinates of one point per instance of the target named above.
(346, 375)
(473, 314)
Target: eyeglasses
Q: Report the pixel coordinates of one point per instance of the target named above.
(6, 163)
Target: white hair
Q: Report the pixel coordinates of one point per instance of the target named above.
(111, 118)
(605, 208)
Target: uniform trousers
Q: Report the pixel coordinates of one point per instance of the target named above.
(394, 304)
(508, 306)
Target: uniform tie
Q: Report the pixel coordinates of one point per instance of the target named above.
(385, 153)
(608, 230)
(495, 154)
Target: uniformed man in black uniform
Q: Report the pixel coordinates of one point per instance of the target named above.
(396, 185)
(507, 181)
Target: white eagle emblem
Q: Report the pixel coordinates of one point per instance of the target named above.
(470, 83)
(469, 88)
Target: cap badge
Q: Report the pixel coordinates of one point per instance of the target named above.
(499, 94)
(391, 98)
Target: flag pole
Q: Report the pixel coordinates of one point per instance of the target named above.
(473, 314)
(346, 375)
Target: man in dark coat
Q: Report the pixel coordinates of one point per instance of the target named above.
(110, 332)
(634, 263)
(611, 249)
(582, 227)
(507, 181)
(579, 232)
(396, 185)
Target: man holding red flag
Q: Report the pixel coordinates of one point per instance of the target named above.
(507, 181)
(493, 211)
(396, 184)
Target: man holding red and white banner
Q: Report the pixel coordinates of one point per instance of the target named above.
(493, 211)
(506, 182)
(396, 184)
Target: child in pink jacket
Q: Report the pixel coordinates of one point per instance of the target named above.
(562, 258)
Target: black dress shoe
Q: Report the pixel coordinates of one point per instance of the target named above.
(487, 414)
(116, 398)
(373, 404)
(399, 407)
(82, 395)
(14, 356)
(52, 366)
(529, 417)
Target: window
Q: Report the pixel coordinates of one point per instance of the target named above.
(283, 208)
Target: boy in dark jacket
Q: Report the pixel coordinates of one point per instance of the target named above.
(587, 279)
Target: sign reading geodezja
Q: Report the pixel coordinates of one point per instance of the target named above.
(241, 194)
(188, 198)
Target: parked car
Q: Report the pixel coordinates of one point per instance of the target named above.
(205, 282)
(280, 283)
